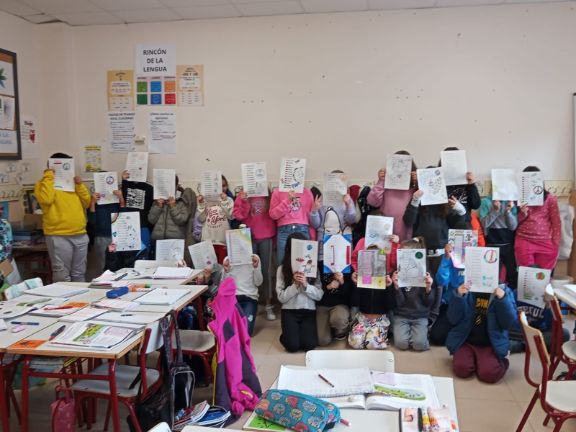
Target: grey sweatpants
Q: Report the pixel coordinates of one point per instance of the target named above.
(263, 248)
(100, 246)
(68, 257)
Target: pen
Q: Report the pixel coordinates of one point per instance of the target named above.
(326, 381)
(121, 276)
(25, 323)
(58, 307)
(420, 423)
(57, 332)
(126, 314)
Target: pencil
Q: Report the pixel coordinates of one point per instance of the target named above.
(326, 381)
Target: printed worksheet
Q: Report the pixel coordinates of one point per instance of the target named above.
(105, 183)
(255, 179)
(411, 267)
(532, 284)
(531, 185)
(164, 183)
(239, 246)
(170, 250)
(431, 182)
(64, 173)
(482, 267)
(398, 172)
(504, 185)
(162, 133)
(378, 232)
(203, 255)
(211, 184)
(454, 166)
(460, 240)
(292, 175)
(371, 269)
(137, 166)
(305, 257)
(335, 187)
(337, 252)
(126, 231)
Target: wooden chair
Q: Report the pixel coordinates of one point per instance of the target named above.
(558, 398)
(561, 352)
(343, 359)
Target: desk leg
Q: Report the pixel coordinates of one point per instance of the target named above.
(4, 401)
(113, 395)
(200, 311)
(25, 393)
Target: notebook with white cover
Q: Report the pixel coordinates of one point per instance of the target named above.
(172, 273)
(131, 317)
(115, 304)
(162, 296)
(93, 335)
(83, 314)
(57, 290)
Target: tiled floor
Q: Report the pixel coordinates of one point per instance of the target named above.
(481, 407)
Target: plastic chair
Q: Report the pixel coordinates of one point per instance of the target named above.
(561, 351)
(558, 398)
(201, 344)
(343, 359)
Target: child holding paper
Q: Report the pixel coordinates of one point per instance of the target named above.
(248, 278)
(138, 196)
(298, 296)
(169, 218)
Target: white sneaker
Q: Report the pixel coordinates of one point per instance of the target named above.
(270, 315)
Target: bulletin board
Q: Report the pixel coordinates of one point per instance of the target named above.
(10, 144)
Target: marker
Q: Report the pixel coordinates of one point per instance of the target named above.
(345, 422)
(25, 323)
(326, 381)
(120, 277)
(57, 332)
(420, 423)
(126, 314)
(58, 307)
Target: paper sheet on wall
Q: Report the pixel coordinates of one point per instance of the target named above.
(211, 184)
(378, 232)
(431, 182)
(482, 267)
(29, 137)
(164, 182)
(460, 240)
(305, 257)
(532, 284)
(292, 175)
(335, 187)
(504, 185)
(7, 112)
(126, 231)
(156, 90)
(137, 166)
(64, 173)
(371, 269)
(239, 246)
(255, 179)
(120, 90)
(170, 250)
(121, 131)
(398, 172)
(202, 254)
(411, 267)
(454, 166)
(531, 185)
(337, 252)
(92, 158)
(162, 127)
(105, 183)
(190, 81)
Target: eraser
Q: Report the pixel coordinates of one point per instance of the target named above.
(18, 328)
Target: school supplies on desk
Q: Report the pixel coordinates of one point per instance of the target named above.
(397, 390)
(27, 344)
(115, 304)
(426, 419)
(57, 290)
(84, 314)
(162, 296)
(11, 311)
(59, 310)
(117, 292)
(172, 273)
(93, 335)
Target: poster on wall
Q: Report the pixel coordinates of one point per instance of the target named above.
(155, 59)
(162, 128)
(29, 137)
(156, 90)
(93, 158)
(120, 90)
(121, 131)
(190, 80)
(10, 145)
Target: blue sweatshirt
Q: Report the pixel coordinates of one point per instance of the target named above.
(449, 277)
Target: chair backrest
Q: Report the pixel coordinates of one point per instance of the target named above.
(536, 350)
(379, 360)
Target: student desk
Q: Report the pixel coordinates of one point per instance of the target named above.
(566, 296)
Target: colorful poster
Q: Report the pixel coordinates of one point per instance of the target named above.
(162, 136)
(157, 59)
(137, 166)
(164, 182)
(120, 90)
(93, 158)
(105, 183)
(378, 232)
(431, 182)
(335, 187)
(454, 166)
(411, 267)
(337, 252)
(29, 137)
(504, 185)
(371, 269)
(121, 131)
(531, 185)
(159, 90)
(211, 185)
(398, 172)
(170, 250)
(305, 257)
(190, 79)
(126, 231)
(202, 254)
(292, 175)
(255, 179)
(482, 267)
(460, 240)
(239, 246)
(64, 174)
(532, 284)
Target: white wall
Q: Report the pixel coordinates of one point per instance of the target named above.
(342, 90)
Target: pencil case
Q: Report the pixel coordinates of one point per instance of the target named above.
(297, 411)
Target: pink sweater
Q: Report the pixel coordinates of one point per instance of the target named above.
(392, 203)
(254, 213)
(286, 212)
(542, 222)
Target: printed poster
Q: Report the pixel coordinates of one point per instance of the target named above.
(398, 172)
(504, 185)
(126, 231)
(335, 187)
(93, 158)
(202, 254)
(7, 112)
(239, 246)
(531, 185)
(190, 80)
(431, 182)
(121, 131)
(105, 183)
(137, 166)
(120, 90)
(255, 179)
(460, 240)
(170, 250)
(29, 137)
(64, 174)
(159, 90)
(337, 252)
(164, 183)
(305, 257)
(482, 267)
(162, 136)
(532, 283)
(378, 232)
(211, 184)
(155, 59)
(292, 175)
(411, 267)
(454, 166)
(371, 269)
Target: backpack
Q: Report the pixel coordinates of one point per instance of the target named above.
(365, 209)
(63, 410)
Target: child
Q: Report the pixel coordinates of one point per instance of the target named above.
(466, 194)
(479, 340)
(253, 212)
(138, 196)
(333, 309)
(115, 260)
(538, 233)
(413, 308)
(169, 218)
(248, 278)
(298, 296)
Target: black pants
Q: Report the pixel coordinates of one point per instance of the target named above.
(439, 331)
(298, 330)
(508, 258)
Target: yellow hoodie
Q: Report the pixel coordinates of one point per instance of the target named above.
(64, 213)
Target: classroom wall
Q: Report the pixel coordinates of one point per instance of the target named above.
(342, 90)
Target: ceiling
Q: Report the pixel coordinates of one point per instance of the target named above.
(93, 12)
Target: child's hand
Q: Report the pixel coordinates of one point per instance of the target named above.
(509, 206)
(355, 277)
(95, 197)
(226, 265)
(78, 180)
(317, 203)
(255, 261)
(448, 250)
(112, 247)
(348, 200)
(388, 280)
(470, 177)
(394, 238)
(413, 176)
(300, 279)
(333, 285)
(418, 194)
(117, 193)
(452, 201)
(49, 170)
(381, 174)
(171, 201)
(462, 290)
(339, 277)
(524, 209)
(496, 205)
(243, 195)
(499, 293)
(291, 195)
(393, 279)
(160, 202)
(223, 196)
(125, 175)
(428, 279)
(200, 199)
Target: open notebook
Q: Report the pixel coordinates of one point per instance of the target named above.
(57, 290)
(173, 273)
(162, 296)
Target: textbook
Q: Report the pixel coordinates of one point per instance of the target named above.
(57, 290)
(172, 273)
(93, 335)
(162, 296)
